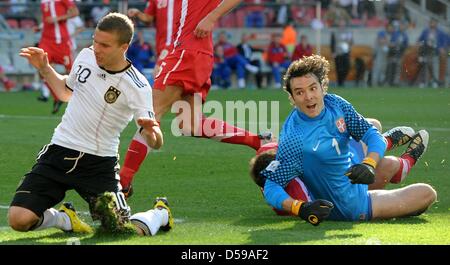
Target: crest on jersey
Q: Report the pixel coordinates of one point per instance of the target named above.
(111, 95)
(340, 124)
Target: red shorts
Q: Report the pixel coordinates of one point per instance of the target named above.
(58, 53)
(298, 191)
(188, 69)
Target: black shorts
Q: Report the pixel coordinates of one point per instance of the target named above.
(59, 169)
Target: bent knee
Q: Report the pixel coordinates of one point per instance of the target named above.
(376, 123)
(20, 219)
(19, 224)
(428, 193)
(432, 194)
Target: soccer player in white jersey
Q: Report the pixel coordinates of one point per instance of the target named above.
(104, 92)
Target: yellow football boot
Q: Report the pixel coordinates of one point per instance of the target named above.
(78, 226)
(161, 202)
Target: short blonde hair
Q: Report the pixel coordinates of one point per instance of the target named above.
(119, 24)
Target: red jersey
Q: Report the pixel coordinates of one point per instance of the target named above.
(301, 51)
(162, 12)
(57, 32)
(276, 53)
(187, 15)
(298, 191)
(229, 50)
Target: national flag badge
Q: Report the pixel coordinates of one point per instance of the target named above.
(112, 94)
(340, 124)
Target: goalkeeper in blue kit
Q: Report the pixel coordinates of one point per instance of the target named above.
(314, 146)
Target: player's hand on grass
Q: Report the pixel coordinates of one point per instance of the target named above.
(363, 173)
(313, 212)
(151, 132)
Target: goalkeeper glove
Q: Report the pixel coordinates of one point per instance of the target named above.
(313, 212)
(362, 173)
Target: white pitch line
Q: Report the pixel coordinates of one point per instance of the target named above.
(178, 220)
(25, 117)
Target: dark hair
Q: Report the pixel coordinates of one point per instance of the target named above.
(314, 64)
(119, 24)
(258, 163)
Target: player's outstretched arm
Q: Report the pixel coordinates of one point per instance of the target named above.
(206, 25)
(38, 59)
(313, 212)
(151, 132)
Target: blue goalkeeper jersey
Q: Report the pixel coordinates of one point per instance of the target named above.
(317, 150)
(356, 152)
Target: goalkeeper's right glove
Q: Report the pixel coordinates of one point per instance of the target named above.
(313, 212)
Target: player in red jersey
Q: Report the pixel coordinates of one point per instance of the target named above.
(8, 84)
(184, 76)
(55, 38)
(160, 12)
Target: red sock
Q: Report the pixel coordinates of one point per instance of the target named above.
(406, 163)
(226, 133)
(134, 157)
(389, 143)
(136, 154)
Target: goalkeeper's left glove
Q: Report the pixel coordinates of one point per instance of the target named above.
(363, 173)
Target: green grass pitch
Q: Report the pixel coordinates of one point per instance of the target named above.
(211, 195)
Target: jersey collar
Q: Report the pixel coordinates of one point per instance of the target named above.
(120, 71)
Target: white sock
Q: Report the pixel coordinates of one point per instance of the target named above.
(150, 221)
(55, 218)
(45, 91)
(241, 83)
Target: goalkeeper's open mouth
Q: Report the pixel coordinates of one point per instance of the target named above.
(311, 106)
(311, 109)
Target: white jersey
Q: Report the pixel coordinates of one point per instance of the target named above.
(101, 106)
